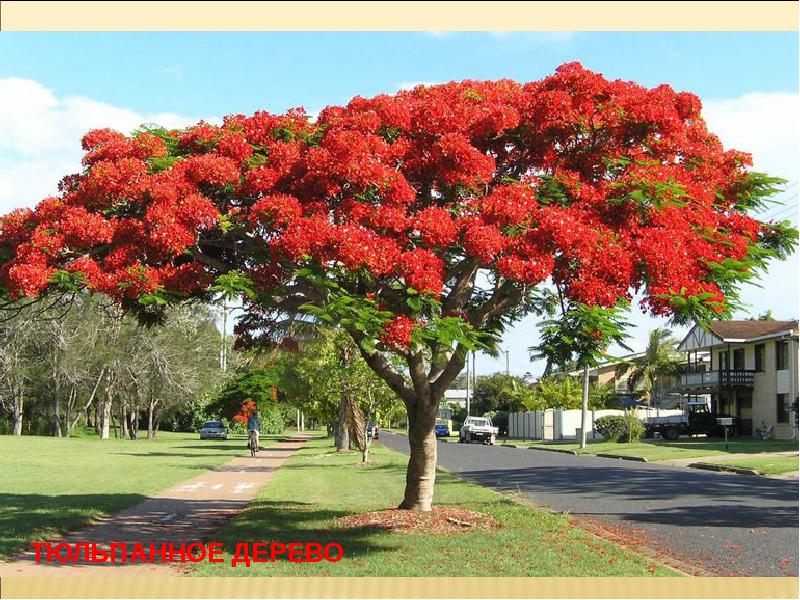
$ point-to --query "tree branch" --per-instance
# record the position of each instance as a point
(378, 362)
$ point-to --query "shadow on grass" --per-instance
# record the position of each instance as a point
(28, 516)
(180, 454)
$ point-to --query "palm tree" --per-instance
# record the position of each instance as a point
(660, 359)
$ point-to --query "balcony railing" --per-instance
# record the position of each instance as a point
(739, 378)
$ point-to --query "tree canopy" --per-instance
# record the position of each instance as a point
(422, 222)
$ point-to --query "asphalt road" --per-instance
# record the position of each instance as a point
(722, 523)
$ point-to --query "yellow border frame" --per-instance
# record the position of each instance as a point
(26, 15)
(399, 587)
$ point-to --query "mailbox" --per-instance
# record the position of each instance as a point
(725, 421)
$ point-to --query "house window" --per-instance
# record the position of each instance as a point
(738, 359)
(723, 361)
(760, 354)
(783, 409)
(781, 355)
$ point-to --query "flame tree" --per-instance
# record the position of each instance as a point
(422, 222)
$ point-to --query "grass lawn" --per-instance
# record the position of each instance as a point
(49, 486)
(682, 448)
(315, 487)
(766, 465)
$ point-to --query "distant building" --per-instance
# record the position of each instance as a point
(455, 398)
(750, 371)
(609, 373)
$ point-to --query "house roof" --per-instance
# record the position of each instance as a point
(720, 332)
(604, 365)
(748, 330)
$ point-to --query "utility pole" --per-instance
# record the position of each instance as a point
(223, 352)
(474, 373)
(467, 385)
(508, 369)
(584, 404)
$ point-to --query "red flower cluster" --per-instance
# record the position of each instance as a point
(247, 410)
(604, 186)
(397, 332)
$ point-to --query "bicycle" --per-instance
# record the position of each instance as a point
(253, 443)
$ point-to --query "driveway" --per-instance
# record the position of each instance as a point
(722, 523)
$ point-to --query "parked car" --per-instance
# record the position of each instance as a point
(442, 430)
(477, 429)
(213, 430)
(374, 431)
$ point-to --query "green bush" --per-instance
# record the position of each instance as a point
(612, 427)
(273, 419)
(620, 428)
(634, 430)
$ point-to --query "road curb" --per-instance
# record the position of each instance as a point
(723, 468)
(561, 450)
(621, 457)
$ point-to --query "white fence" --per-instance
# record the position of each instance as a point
(558, 424)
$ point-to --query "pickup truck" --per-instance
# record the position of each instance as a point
(477, 429)
(688, 423)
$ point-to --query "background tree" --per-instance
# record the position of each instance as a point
(422, 223)
(61, 363)
(660, 359)
(500, 392)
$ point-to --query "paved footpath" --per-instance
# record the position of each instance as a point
(721, 523)
(188, 512)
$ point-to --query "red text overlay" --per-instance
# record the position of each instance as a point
(244, 553)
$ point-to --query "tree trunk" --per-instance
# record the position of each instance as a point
(342, 430)
(151, 423)
(135, 427)
(421, 472)
(57, 424)
(105, 417)
(133, 423)
(123, 420)
(86, 408)
(17, 413)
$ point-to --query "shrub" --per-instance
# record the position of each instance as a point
(619, 428)
(634, 430)
(500, 420)
(612, 427)
(273, 419)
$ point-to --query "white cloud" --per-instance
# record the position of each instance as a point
(40, 137)
(410, 85)
(767, 125)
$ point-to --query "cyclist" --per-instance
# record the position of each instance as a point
(253, 427)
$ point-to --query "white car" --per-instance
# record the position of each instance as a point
(477, 429)
(213, 430)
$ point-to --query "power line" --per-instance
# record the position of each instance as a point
(783, 207)
(789, 210)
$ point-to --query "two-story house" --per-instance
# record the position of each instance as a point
(750, 370)
(610, 372)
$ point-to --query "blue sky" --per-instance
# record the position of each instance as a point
(219, 73)
(53, 86)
